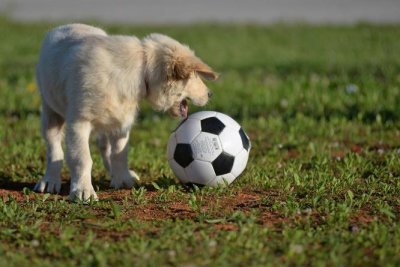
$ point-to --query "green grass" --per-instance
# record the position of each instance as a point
(322, 107)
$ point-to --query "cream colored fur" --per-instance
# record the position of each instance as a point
(92, 82)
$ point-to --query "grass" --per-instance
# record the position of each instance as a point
(321, 106)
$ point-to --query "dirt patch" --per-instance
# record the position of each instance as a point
(356, 149)
(152, 211)
(362, 217)
(272, 219)
(176, 207)
(246, 200)
(7, 194)
(115, 195)
(226, 227)
(16, 190)
(339, 155)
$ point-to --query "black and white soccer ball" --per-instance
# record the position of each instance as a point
(208, 148)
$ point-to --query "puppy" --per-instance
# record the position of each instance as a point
(93, 82)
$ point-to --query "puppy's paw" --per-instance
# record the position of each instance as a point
(82, 192)
(128, 180)
(49, 185)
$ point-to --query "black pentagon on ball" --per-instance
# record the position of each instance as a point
(245, 139)
(223, 163)
(212, 125)
(183, 155)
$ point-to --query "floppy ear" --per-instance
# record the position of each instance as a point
(205, 71)
(178, 69)
(181, 68)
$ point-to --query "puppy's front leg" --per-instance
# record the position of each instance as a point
(121, 176)
(52, 131)
(79, 160)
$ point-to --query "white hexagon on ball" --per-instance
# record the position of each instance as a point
(240, 162)
(228, 121)
(188, 131)
(200, 172)
(203, 114)
(222, 180)
(231, 140)
(178, 170)
(171, 146)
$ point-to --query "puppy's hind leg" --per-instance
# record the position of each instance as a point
(104, 146)
(121, 176)
(79, 160)
(52, 126)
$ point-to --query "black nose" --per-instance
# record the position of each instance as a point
(210, 94)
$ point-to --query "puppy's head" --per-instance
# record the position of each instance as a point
(174, 75)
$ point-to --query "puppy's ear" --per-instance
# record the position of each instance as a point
(178, 69)
(181, 68)
(205, 71)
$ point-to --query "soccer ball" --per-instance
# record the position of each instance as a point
(208, 148)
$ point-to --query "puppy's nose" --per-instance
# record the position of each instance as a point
(210, 94)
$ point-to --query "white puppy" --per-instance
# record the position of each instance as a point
(92, 82)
